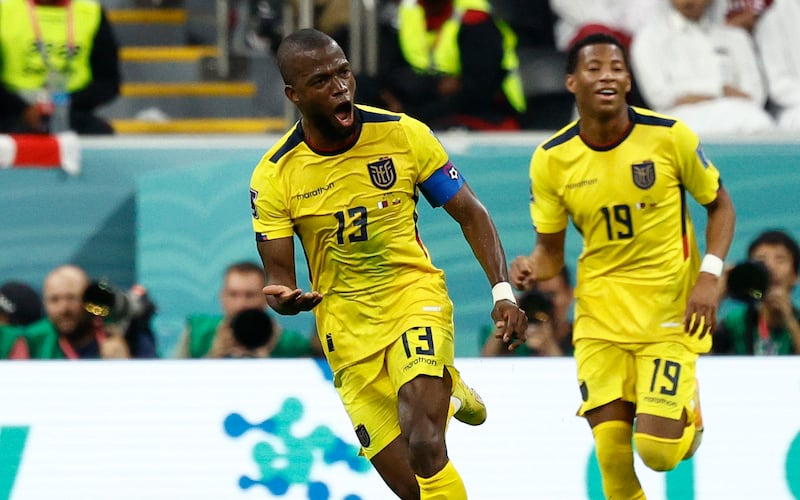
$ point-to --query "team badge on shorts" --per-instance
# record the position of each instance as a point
(644, 174)
(382, 173)
(584, 391)
(363, 435)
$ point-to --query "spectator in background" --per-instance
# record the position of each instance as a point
(741, 13)
(52, 47)
(70, 331)
(777, 35)
(767, 323)
(451, 64)
(547, 305)
(213, 335)
(703, 72)
(330, 16)
(20, 305)
(619, 18)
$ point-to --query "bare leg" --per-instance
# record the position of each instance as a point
(393, 466)
(423, 405)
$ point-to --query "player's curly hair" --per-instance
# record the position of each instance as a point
(593, 39)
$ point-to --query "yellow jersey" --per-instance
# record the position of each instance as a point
(354, 212)
(628, 200)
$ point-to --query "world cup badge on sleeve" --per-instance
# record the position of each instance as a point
(382, 173)
(644, 174)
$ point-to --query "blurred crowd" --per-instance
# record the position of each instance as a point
(723, 66)
(75, 317)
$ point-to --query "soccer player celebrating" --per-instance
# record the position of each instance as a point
(346, 180)
(643, 311)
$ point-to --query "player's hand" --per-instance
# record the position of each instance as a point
(290, 301)
(511, 323)
(522, 272)
(701, 309)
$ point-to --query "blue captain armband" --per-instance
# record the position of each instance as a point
(442, 185)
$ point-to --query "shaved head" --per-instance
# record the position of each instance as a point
(300, 41)
(67, 276)
(63, 300)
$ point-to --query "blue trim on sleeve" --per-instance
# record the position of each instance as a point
(442, 185)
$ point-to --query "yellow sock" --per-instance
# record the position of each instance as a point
(444, 485)
(615, 458)
(663, 454)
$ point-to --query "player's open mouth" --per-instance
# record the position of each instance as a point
(344, 114)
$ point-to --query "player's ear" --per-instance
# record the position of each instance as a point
(290, 93)
(570, 82)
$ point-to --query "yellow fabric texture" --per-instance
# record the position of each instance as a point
(384, 281)
(444, 485)
(662, 454)
(615, 458)
(640, 257)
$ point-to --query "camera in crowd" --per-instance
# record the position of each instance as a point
(537, 306)
(748, 282)
(252, 328)
(125, 309)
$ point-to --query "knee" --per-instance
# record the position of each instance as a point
(659, 454)
(427, 446)
(427, 454)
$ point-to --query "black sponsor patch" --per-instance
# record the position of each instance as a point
(382, 173)
(363, 435)
(584, 391)
(644, 174)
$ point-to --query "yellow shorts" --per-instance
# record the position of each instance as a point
(369, 388)
(659, 378)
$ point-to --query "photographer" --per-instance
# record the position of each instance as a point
(213, 335)
(765, 321)
(70, 331)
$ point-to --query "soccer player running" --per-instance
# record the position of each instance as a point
(346, 180)
(643, 311)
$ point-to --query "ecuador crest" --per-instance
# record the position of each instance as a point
(382, 173)
(644, 174)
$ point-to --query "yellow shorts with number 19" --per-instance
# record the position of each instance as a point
(369, 388)
(659, 378)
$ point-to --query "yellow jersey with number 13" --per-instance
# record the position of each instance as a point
(355, 214)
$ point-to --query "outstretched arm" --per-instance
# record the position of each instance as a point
(282, 293)
(481, 234)
(701, 309)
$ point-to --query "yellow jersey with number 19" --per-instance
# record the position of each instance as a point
(354, 212)
(628, 201)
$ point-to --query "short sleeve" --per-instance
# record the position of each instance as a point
(269, 210)
(699, 176)
(548, 212)
(428, 152)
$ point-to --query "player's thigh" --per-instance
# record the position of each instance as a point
(370, 399)
(606, 375)
(665, 387)
(420, 364)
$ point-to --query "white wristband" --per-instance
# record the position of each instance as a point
(503, 291)
(712, 265)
